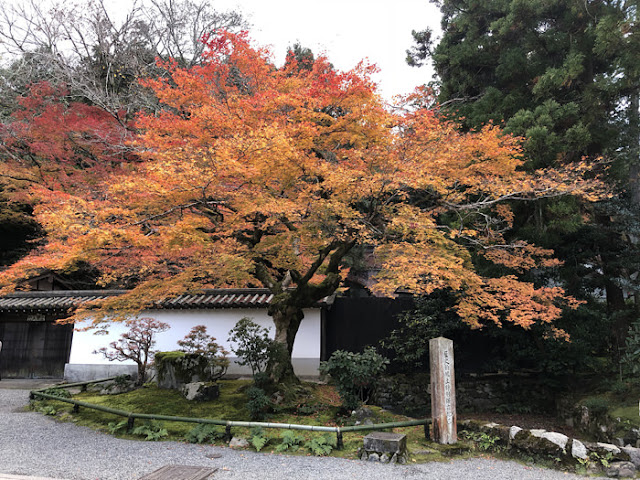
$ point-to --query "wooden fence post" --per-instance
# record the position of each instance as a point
(443, 391)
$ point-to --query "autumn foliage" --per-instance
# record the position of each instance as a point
(253, 175)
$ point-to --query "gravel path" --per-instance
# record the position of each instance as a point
(33, 444)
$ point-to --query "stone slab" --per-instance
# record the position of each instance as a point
(180, 472)
(6, 476)
(384, 442)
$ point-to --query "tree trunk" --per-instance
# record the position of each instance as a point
(634, 136)
(286, 318)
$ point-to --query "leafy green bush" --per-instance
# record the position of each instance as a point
(596, 405)
(321, 445)
(258, 403)
(251, 343)
(290, 441)
(258, 439)
(432, 317)
(354, 374)
(151, 431)
(483, 440)
(263, 381)
(204, 433)
(117, 427)
(57, 392)
(631, 359)
(48, 410)
(199, 342)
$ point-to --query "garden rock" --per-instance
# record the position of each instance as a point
(532, 441)
(384, 447)
(238, 442)
(556, 438)
(578, 450)
(634, 454)
(608, 447)
(363, 416)
(362, 413)
(116, 388)
(201, 391)
(501, 431)
(621, 470)
(513, 431)
(176, 369)
(607, 450)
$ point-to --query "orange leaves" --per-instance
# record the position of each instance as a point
(521, 256)
(253, 174)
(423, 267)
(509, 299)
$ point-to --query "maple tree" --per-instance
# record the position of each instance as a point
(252, 175)
(136, 344)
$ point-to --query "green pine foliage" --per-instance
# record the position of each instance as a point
(564, 75)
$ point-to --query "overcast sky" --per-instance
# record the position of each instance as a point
(346, 31)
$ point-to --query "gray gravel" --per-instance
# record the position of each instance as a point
(33, 444)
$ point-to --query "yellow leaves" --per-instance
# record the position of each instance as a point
(509, 299)
(521, 256)
(422, 267)
(504, 211)
(249, 165)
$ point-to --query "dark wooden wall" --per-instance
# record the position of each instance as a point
(33, 349)
(354, 323)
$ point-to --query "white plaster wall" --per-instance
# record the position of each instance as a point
(217, 321)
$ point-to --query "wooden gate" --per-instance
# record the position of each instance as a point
(354, 323)
(34, 349)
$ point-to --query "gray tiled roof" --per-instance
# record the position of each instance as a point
(66, 299)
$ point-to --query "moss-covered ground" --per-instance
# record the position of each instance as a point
(315, 404)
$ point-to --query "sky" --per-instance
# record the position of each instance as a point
(346, 31)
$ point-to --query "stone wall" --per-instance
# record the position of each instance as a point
(514, 393)
(593, 421)
(594, 457)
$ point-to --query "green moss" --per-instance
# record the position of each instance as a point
(184, 366)
(161, 357)
(231, 406)
(629, 414)
(597, 404)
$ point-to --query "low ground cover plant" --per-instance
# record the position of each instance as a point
(232, 405)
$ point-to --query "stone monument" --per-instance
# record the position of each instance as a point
(443, 391)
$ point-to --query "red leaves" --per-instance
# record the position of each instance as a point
(257, 175)
(59, 144)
